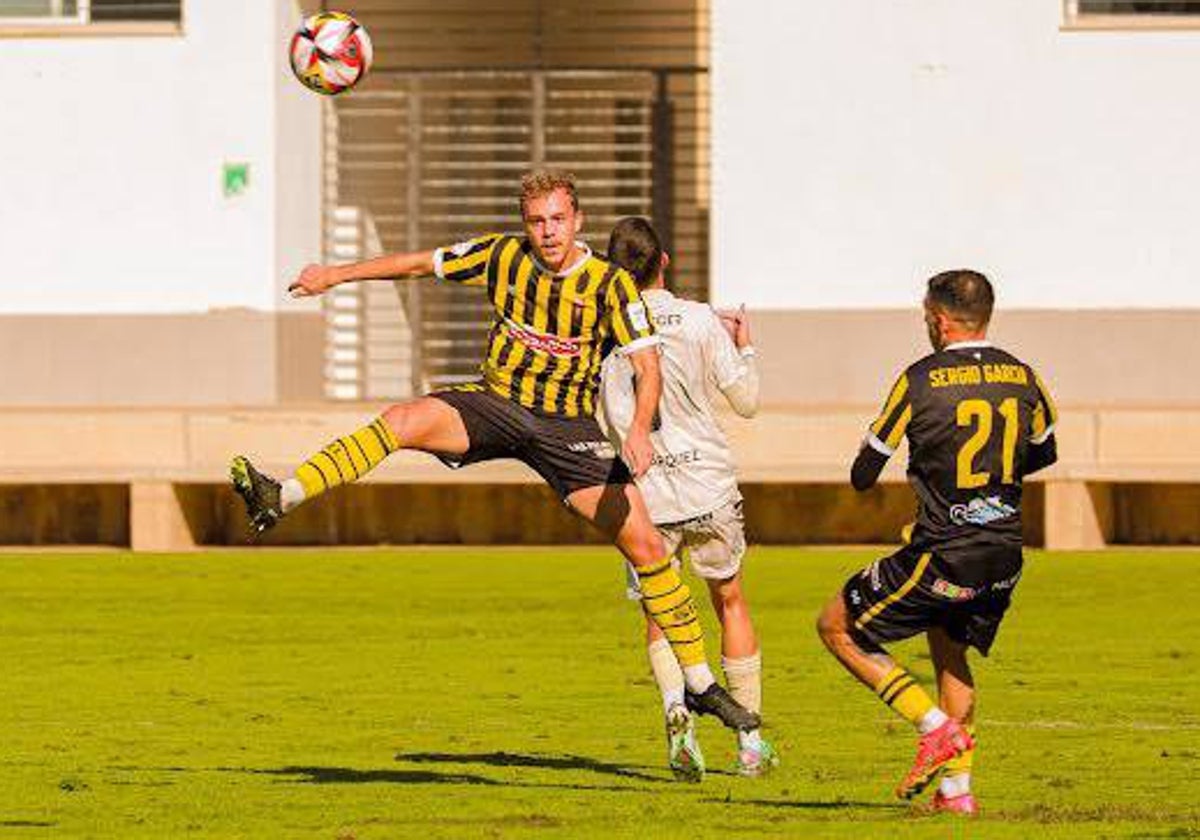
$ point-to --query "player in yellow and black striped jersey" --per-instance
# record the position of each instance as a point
(977, 420)
(551, 328)
(558, 309)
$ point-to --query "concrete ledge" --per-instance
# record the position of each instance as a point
(164, 474)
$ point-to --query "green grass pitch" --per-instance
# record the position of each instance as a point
(504, 693)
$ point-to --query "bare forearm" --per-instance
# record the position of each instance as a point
(648, 388)
(387, 267)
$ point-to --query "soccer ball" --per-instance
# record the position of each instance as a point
(330, 52)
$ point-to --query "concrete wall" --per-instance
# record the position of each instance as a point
(129, 275)
(860, 146)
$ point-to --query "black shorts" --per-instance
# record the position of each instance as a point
(570, 453)
(965, 591)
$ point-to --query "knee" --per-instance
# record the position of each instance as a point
(399, 420)
(727, 596)
(644, 546)
(831, 626)
(409, 421)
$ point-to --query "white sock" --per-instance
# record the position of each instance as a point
(291, 494)
(934, 718)
(667, 673)
(750, 740)
(743, 675)
(698, 677)
(955, 785)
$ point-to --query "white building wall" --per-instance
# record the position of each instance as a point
(111, 155)
(860, 146)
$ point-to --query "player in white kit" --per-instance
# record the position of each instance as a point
(691, 487)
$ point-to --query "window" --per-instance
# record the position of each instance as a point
(1132, 14)
(69, 13)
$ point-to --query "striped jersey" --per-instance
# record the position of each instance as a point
(550, 331)
(970, 413)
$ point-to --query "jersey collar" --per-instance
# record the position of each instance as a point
(968, 345)
(569, 270)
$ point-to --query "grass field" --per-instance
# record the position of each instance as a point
(503, 693)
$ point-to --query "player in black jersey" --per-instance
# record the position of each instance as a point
(977, 421)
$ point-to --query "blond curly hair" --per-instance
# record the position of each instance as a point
(542, 182)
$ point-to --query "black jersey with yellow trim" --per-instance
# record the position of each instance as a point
(970, 414)
(551, 330)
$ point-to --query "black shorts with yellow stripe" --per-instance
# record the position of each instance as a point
(965, 591)
(570, 453)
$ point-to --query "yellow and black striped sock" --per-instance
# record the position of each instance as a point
(961, 763)
(668, 603)
(347, 459)
(900, 691)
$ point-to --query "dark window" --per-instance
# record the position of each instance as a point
(136, 10)
(1139, 7)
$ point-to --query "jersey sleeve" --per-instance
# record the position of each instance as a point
(629, 320)
(465, 262)
(618, 397)
(888, 430)
(1045, 414)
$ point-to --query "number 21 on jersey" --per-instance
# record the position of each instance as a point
(979, 415)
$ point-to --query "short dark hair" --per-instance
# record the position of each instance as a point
(964, 295)
(635, 247)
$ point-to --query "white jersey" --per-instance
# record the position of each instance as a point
(693, 469)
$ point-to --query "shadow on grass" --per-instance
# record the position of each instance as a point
(801, 805)
(326, 775)
(544, 762)
(350, 776)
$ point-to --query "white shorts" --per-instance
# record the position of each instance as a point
(715, 544)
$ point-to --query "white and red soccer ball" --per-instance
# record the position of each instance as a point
(330, 52)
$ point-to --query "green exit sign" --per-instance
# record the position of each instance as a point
(235, 178)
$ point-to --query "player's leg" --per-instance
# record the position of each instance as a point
(619, 512)
(956, 695)
(684, 756)
(427, 424)
(886, 602)
(716, 545)
(741, 660)
(683, 749)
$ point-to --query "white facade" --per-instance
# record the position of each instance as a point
(111, 159)
(860, 146)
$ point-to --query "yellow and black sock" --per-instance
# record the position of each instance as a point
(900, 691)
(961, 763)
(347, 459)
(668, 603)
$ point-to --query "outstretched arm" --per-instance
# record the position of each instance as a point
(638, 451)
(318, 279)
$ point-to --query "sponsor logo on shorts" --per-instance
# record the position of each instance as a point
(564, 348)
(855, 598)
(952, 591)
(600, 448)
(873, 573)
(1007, 583)
(981, 511)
